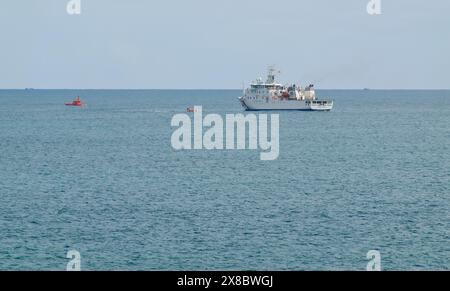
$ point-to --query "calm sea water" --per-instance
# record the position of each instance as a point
(104, 180)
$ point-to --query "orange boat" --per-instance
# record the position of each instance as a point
(76, 102)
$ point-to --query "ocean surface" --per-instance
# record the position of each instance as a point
(373, 174)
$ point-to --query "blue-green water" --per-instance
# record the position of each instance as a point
(104, 180)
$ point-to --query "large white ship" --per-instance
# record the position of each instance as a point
(270, 95)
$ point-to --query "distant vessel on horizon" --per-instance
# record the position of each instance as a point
(270, 95)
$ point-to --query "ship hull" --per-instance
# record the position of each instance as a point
(295, 105)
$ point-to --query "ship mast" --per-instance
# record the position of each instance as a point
(272, 71)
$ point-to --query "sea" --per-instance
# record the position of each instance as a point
(104, 180)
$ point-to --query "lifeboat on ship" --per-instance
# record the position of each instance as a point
(76, 102)
(285, 95)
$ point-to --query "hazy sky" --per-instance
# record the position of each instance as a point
(222, 43)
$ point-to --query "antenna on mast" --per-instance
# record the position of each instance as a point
(271, 74)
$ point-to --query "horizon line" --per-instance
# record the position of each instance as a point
(217, 89)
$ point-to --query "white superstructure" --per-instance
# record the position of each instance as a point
(270, 95)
